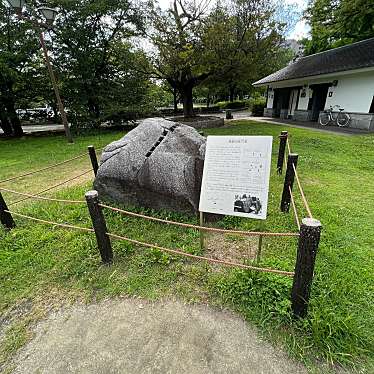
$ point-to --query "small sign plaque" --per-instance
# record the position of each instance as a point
(236, 176)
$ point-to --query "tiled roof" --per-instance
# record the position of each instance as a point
(353, 56)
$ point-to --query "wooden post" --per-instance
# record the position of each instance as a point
(5, 218)
(259, 249)
(99, 225)
(310, 233)
(288, 182)
(282, 150)
(92, 153)
(202, 245)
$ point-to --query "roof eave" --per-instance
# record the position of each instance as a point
(312, 77)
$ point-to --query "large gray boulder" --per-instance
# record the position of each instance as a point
(157, 165)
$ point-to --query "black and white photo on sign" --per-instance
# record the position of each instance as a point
(236, 176)
(247, 203)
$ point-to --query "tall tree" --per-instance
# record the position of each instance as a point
(93, 52)
(18, 48)
(336, 23)
(180, 48)
(249, 39)
(229, 44)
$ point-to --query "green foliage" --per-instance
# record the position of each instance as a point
(92, 52)
(249, 39)
(266, 293)
(225, 48)
(237, 104)
(337, 23)
(339, 329)
(96, 60)
(258, 108)
(19, 63)
(255, 104)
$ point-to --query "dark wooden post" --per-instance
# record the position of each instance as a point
(310, 232)
(99, 225)
(92, 153)
(282, 150)
(288, 182)
(259, 249)
(5, 218)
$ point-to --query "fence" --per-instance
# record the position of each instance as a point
(308, 230)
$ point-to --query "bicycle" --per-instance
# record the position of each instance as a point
(327, 117)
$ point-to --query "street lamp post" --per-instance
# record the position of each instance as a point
(49, 14)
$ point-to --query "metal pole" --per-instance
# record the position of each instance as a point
(55, 87)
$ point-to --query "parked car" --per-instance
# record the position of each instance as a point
(35, 113)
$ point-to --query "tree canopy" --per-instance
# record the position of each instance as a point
(227, 46)
(335, 23)
(105, 71)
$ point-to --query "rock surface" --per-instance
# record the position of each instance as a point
(156, 165)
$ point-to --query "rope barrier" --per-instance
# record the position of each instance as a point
(173, 251)
(288, 146)
(302, 193)
(42, 197)
(294, 208)
(204, 228)
(52, 187)
(43, 169)
(305, 202)
(48, 167)
(227, 263)
(64, 225)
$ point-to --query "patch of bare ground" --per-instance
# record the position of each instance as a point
(229, 247)
(17, 323)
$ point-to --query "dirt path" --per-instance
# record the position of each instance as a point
(133, 336)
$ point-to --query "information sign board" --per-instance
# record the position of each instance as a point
(236, 176)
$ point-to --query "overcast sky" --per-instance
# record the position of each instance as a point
(300, 31)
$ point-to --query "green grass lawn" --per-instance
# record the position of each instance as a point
(41, 265)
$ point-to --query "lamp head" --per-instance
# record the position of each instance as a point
(17, 5)
(49, 14)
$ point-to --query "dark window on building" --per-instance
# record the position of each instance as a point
(371, 110)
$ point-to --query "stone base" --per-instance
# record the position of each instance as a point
(364, 121)
(302, 115)
(269, 112)
(200, 122)
(283, 114)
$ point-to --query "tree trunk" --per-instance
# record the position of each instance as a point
(207, 100)
(4, 122)
(175, 100)
(12, 115)
(14, 120)
(232, 93)
(188, 101)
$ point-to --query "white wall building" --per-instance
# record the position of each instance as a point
(342, 77)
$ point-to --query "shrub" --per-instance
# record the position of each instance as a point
(238, 104)
(258, 109)
(257, 105)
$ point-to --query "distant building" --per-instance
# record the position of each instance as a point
(342, 76)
